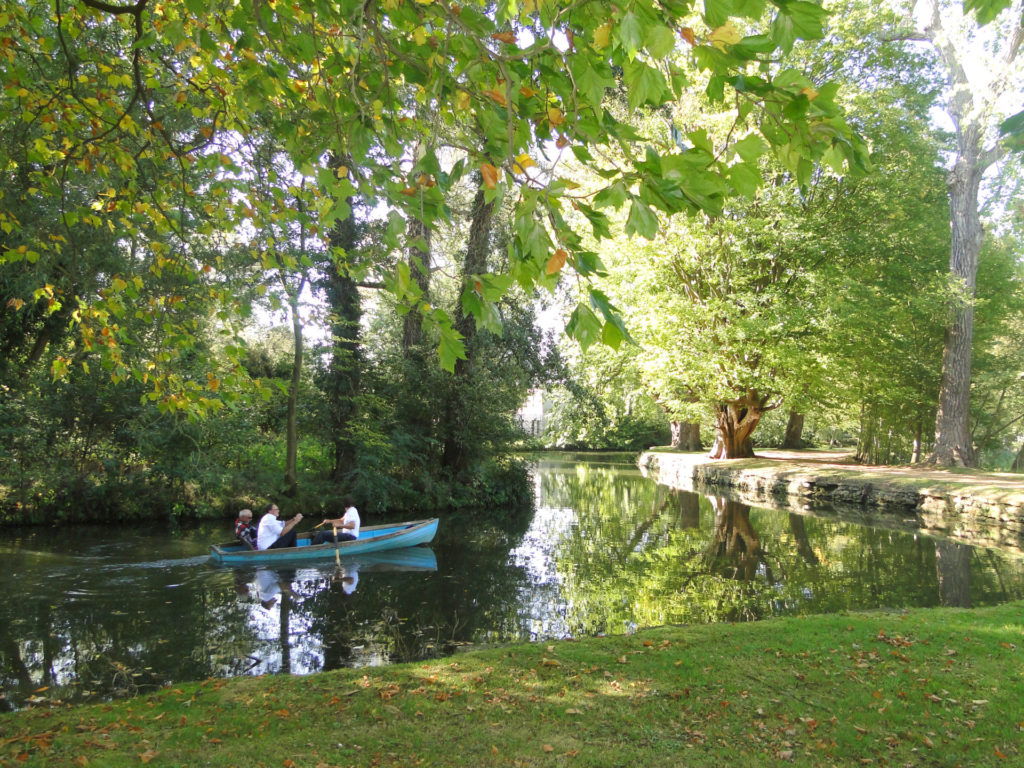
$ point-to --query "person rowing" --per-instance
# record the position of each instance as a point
(344, 528)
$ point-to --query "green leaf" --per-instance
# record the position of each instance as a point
(1013, 124)
(660, 41)
(584, 326)
(611, 197)
(641, 220)
(450, 348)
(630, 34)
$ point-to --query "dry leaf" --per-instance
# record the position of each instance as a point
(573, 711)
(548, 748)
(490, 174)
(556, 262)
(148, 755)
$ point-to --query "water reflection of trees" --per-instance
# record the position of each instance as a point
(642, 555)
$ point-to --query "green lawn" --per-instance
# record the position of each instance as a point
(929, 687)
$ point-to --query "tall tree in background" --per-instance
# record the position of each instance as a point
(983, 67)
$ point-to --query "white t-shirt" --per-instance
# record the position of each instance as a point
(351, 516)
(269, 531)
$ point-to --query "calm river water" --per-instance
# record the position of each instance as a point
(98, 613)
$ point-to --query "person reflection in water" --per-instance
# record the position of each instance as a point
(269, 587)
(348, 577)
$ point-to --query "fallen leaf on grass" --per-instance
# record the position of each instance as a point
(548, 748)
(573, 711)
(148, 755)
(550, 662)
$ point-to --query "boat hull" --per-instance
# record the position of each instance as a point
(376, 538)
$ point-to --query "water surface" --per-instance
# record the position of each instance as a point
(95, 613)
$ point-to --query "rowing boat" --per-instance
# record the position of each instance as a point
(373, 538)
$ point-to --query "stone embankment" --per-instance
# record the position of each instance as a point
(980, 508)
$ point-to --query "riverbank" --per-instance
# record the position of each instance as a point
(921, 687)
(981, 508)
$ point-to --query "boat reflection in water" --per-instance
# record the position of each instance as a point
(309, 619)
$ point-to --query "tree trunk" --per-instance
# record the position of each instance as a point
(457, 440)
(1018, 460)
(686, 435)
(952, 422)
(419, 268)
(734, 423)
(794, 431)
(915, 456)
(343, 379)
(291, 473)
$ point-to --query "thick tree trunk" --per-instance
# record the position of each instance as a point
(734, 423)
(952, 422)
(457, 443)
(794, 431)
(686, 435)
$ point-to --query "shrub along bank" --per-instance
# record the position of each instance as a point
(925, 687)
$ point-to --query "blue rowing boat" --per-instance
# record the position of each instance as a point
(372, 538)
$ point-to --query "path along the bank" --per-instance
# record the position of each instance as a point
(983, 508)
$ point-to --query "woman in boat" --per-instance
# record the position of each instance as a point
(274, 533)
(344, 528)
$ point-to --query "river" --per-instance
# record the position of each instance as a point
(95, 613)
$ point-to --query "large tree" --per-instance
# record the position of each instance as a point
(983, 68)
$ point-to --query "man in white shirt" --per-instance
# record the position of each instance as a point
(274, 533)
(346, 527)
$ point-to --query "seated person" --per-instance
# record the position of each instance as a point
(245, 531)
(344, 528)
(274, 533)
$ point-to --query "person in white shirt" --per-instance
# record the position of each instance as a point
(345, 527)
(274, 533)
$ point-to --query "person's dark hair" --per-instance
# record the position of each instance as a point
(347, 502)
(269, 507)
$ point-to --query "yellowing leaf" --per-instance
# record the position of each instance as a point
(603, 35)
(505, 37)
(528, 92)
(419, 35)
(727, 34)
(556, 262)
(490, 174)
(462, 100)
(523, 162)
(687, 34)
(810, 93)
(497, 95)
(555, 116)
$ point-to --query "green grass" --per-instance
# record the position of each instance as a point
(928, 687)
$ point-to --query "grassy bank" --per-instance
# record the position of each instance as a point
(928, 687)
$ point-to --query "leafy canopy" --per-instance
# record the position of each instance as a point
(126, 114)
